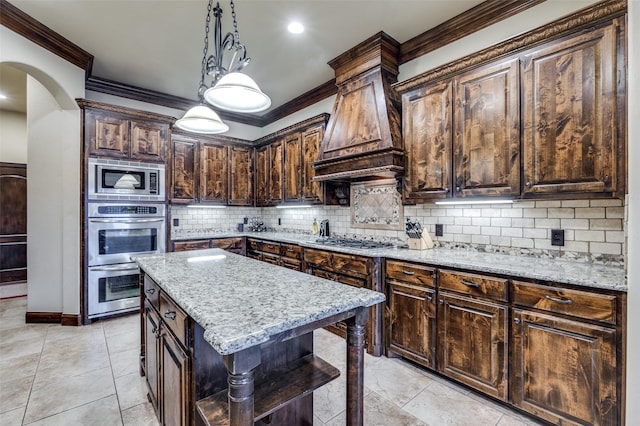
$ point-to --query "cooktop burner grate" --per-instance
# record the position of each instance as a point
(353, 243)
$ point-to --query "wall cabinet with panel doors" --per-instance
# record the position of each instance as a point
(566, 364)
(124, 133)
(573, 139)
(209, 172)
(545, 122)
(269, 182)
(284, 164)
(462, 135)
(411, 313)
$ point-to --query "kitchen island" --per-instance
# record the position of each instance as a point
(228, 339)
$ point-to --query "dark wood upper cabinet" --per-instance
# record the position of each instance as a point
(427, 120)
(214, 173)
(125, 136)
(184, 176)
(293, 167)
(262, 175)
(311, 140)
(571, 143)
(276, 157)
(241, 176)
(486, 143)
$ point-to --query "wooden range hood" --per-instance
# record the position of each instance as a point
(363, 138)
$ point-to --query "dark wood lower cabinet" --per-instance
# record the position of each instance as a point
(151, 355)
(175, 381)
(472, 343)
(564, 371)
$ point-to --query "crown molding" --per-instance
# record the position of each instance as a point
(34, 31)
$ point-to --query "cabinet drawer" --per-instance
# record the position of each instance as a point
(291, 251)
(317, 258)
(410, 272)
(269, 258)
(477, 285)
(151, 292)
(338, 262)
(255, 245)
(175, 318)
(290, 263)
(191, 245)
(227, 243)
(254, 254)
(344, 279)
(578, 303)
(270, 247)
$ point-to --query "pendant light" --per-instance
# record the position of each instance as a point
(230, 89)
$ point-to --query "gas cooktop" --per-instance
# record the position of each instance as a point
(353, 243)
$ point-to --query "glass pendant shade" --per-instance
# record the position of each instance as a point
(201, 119)
(237, 92)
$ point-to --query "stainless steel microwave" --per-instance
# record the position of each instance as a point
(117, 180)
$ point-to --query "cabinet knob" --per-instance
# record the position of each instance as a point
(446, 190)
(516, 320)
(150, 290)
(170, 315)
(429, 298)
(457, 189)
(441, 301)
(528, 184)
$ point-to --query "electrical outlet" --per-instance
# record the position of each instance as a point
(176, 222)
(279, 221)
(557, 237)
(439, 230)
(245, 220)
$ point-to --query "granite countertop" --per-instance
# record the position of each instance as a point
(242, 302)
(528, 267)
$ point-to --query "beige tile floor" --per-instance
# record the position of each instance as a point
(63, 376)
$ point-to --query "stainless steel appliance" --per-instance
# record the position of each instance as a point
(353, 243)
(115, 233)
(324, 228)
(113, 180)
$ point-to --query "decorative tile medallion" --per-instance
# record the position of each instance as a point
(376, 205)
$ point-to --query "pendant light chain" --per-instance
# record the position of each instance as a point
(236, 33)
(202, 87)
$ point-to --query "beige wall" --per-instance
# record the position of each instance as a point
(13, 137)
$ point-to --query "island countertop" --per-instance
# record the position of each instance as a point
(241, 302)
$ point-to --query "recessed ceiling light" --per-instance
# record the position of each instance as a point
(295, 28)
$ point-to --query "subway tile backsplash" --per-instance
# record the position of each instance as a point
(594, 229)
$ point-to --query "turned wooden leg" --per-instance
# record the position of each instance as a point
(241, 376)
(355, 367)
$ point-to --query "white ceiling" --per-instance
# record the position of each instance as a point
(157, 44)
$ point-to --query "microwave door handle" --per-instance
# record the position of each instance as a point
(126, 220)
(115, 268)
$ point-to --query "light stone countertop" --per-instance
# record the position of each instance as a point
(242, 302)
(527, 267)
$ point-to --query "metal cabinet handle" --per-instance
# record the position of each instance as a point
(470, 284)
(150, 290)
(170, 315)
(528, 184)
(457, 189)
(516, 320)
(408, 272)
(429, 298)
(558, 300)
(441, 301)
(446, 190)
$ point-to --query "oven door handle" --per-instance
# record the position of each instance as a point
(114, 268)
(126, 220)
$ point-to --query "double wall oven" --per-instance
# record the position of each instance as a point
(126, 216)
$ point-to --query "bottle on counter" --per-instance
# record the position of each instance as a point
(314, 227)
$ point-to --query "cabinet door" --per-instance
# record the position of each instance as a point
(412, 322)
(472, 343)
(213, 174)
(311, 140)
(569, 111)
(275, 172)
(241, 177)
(564, 371)
(292, 167)
(151, 356)
(183, 174)
(262, 175)
(487, 137)
(175, 382)
(108, 135)
(149, 141)
(427, 136)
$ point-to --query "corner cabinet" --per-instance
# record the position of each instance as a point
(125, 134)
(571, 140)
